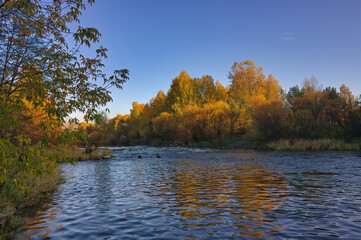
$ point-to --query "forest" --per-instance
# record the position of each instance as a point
(253, 107)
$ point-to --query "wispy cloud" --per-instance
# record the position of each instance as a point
(288, 36)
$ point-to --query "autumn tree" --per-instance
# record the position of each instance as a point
(121, 125)
(201, 111)
(221, 92)
(273, 89)
(39, 67)
(192, 124)
(183, 92)
(250, 89)
(206, 89)
(247, 82)
(217, 121)
(158, 104)
(165, 127)
(139, 123)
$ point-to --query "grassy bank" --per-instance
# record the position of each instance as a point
(73, 154)
(313, 145)
(324, 144)
(216, 143)
(36, 187)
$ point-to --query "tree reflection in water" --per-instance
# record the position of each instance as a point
(244, 196)
(195, 196)
(42, 222)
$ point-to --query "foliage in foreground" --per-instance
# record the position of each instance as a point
(42, 81)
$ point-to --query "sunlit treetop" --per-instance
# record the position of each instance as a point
(37, 62)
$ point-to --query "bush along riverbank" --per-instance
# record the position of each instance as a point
(31, 188)
(248, 142)
(73, 153)
(324, 144)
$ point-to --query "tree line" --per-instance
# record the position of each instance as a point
(199, 110)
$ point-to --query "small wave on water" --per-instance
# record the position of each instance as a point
(196, 193)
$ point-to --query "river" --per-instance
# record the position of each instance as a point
(191, 193)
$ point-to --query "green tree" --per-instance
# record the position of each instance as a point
(39, 67)
(38, 64)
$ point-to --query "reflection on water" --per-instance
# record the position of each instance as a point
(202, 194)
(42, 223)
(241, 196)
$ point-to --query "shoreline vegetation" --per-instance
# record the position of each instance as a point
(324, 144)
(45, 79)
(253, 107)
(39, 187)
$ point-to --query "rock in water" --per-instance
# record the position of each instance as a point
(158, 156)
(139, 156)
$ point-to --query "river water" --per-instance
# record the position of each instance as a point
(205, 194)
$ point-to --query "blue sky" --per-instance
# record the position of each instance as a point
(291, 39)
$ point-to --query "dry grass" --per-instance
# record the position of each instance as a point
(313, 145)
(37, 186)
(35, 189)
(73, 154)
(107, 152)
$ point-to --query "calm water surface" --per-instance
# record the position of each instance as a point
(205, 194)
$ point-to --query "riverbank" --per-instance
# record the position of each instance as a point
(38, 187)
(13, 201)
(312, 145)
(324, 144)
(73, 153)
(215, 143)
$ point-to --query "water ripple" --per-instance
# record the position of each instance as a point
(205, 194)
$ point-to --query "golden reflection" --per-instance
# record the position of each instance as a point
(47, 234)
(39, 224)
(241, 194)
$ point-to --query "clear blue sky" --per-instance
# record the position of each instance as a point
(291, 39)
